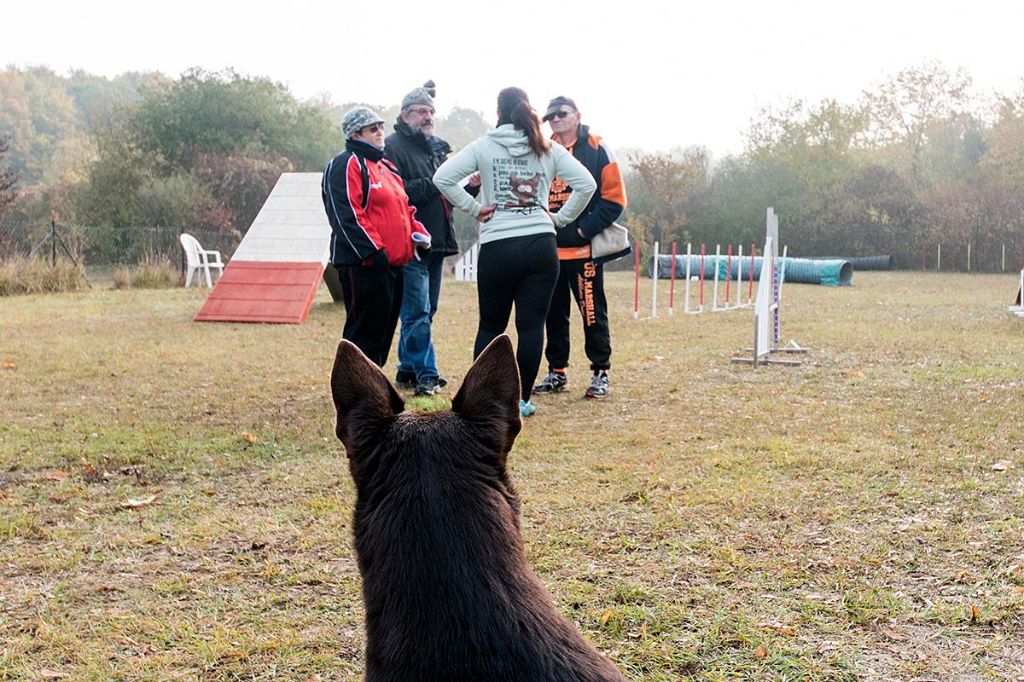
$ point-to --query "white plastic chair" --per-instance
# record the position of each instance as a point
(197, 257)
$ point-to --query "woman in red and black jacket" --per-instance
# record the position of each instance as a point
(374, 233)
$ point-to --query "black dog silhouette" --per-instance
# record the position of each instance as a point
(447, 589)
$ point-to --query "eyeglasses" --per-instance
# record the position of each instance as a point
(562, 113)
(375, 128)
(421, 111)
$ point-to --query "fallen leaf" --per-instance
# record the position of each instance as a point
(90, 473)
(761, 652)
(10, 365)
(1017, 589)
(135, 504)
(50, 674)
(249, 438)
(1002, 465)
(605, 617)
(975, 614)
(857, 374)
(56, 475)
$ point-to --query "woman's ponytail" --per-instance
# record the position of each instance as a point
(514, 107)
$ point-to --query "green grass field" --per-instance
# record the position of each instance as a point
(174, 505)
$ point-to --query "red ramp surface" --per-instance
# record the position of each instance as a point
(253, 291)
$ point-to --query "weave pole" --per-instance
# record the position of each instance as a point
(654, 284)
(686, 301)
(701, 278)
(672, 283)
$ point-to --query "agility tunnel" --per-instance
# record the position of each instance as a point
(864, 262)
(828, 272)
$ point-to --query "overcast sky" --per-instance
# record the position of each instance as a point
(645, 74)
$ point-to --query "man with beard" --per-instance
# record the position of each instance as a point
(417, 153)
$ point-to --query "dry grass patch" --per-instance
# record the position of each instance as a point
(855, 518)
(155, 275)
(35, 275)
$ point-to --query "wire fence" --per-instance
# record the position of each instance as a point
(98, 246)
(107, 246)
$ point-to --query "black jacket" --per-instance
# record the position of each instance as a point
(417, 157)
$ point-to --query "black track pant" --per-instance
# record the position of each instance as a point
(519, 270)
(585, 279)
(373, 297)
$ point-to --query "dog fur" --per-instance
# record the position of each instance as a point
(448, 592)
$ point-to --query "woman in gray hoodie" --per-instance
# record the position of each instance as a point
(518, 261)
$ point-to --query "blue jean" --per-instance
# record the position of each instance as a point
(422, 288)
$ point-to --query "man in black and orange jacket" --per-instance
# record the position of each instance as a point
(579, 272)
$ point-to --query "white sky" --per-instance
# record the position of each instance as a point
(645, 74)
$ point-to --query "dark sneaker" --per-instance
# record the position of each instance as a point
(428, 386)
(442, 382)
(554, 382)
(599, 387)
(405, 379)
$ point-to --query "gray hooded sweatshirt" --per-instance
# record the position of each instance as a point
(517, 182)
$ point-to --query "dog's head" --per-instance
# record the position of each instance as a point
(384, 443)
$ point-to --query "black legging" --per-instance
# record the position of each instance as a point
(520, 270)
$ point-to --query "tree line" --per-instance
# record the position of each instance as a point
(918, 160)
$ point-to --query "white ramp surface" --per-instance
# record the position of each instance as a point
(292, 225)
(274, 274)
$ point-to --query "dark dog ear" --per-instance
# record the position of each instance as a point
(363, 396)
(489, 395)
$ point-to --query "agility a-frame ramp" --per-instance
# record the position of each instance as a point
(276, 270)
(1018, 305)
(768, 304)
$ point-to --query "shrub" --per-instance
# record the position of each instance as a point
(147, 276)
(35, 276)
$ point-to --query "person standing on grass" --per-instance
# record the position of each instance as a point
(518, 261)
(417, 153)
(374, 233)
(578, 271)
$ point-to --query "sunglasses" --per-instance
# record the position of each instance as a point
(375, 128)
(562, 114)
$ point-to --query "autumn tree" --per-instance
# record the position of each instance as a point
(8, 177)
(660, 190)
(904, 109)
(222, 113)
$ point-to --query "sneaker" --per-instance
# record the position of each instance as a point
(554, 382)
(527, 408)
(599, 387)
(428, 386)
(405, 379)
